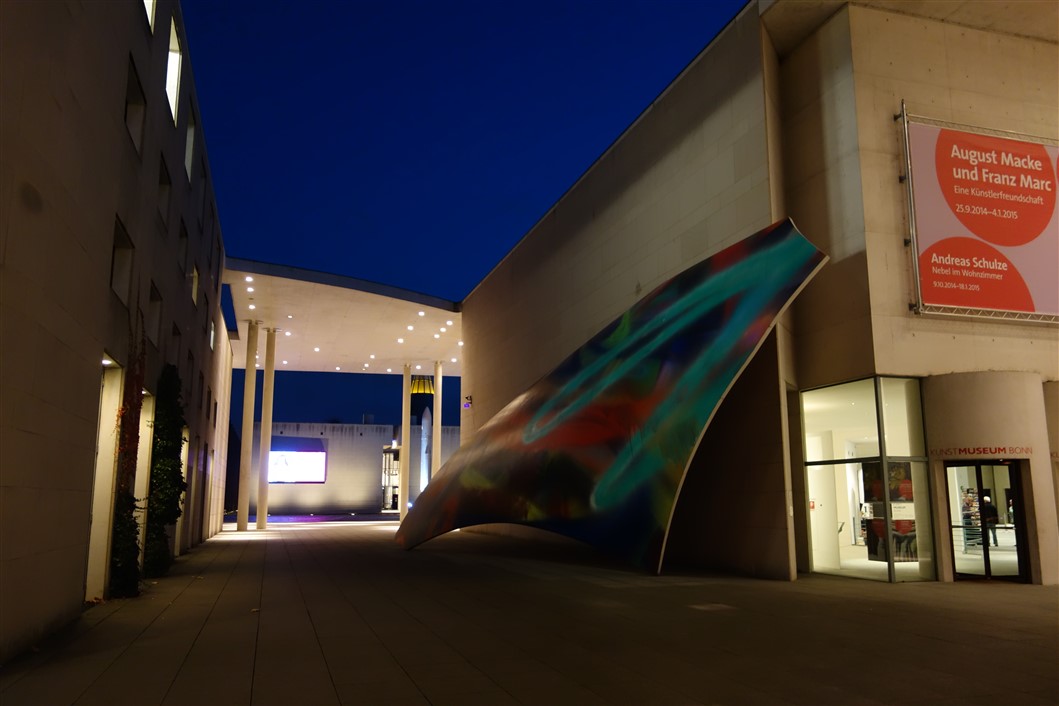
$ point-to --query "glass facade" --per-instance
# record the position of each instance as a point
(866, 471)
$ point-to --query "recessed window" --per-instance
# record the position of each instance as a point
(189, 145)
(121, 258)
(195, 285)
(165, 188)
(172, 72)
(154, 314)
(135, 107)
(183, 247)
(149, 6)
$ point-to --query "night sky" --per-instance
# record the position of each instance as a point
(414, 143)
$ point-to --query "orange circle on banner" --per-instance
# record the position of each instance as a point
(966, 272)
(1002, 190)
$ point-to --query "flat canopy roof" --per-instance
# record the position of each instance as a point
(358, 326)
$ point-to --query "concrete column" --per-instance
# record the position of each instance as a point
(246, 448)
(266, 428)
(406, 441)
(435, 442)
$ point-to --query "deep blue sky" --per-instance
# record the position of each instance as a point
(414, 143)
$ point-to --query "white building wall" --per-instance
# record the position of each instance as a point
(952, 73)
(70, 170)
(354, 468)
(689, 178)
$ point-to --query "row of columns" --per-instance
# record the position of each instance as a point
(246, 449)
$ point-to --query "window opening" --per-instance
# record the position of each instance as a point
(172, 73)
(121, 260)
(165, 188)
(149, 7)
(154, 315)
(189, 145)
(135, 107)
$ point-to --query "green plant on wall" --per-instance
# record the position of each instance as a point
(124, 577)
(164, 500)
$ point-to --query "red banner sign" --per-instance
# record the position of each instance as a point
(987, 229)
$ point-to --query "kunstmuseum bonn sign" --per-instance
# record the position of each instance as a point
(986, 226)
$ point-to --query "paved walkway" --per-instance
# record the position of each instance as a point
(337, 613)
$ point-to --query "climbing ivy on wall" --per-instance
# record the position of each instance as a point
(164, 499)
(124, 578)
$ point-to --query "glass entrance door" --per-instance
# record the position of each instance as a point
(984, 518)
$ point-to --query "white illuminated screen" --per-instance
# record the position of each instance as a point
(297, 466)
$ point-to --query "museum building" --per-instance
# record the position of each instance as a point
(898, 421)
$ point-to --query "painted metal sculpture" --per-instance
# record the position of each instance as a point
(597, 450)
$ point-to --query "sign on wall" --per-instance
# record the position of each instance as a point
(986, 226)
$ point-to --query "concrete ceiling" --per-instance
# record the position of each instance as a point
(349, 320)
(790, 21)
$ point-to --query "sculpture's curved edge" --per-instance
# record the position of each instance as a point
(706, 426)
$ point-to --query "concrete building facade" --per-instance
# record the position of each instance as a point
(110, 236)
(794, 110)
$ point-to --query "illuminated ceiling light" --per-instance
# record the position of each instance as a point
(317, 349)
(448, 323)
(453, 360)
(365, 365)
(249, 289)
(443, 329)
(419, 367)
(108, 361)
(286, 333)
(411, 328)
(257, 355)
(290, 316)
(400, 340)
(249, 278)
(337, 367)
(461, 343)
(372, 356)
(389, 370)
(253, 306)
(284, 362)
(422, 313)
(437, 335)
(257, 365)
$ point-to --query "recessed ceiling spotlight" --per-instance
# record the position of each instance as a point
(249, 278)
(453, 360)
(461, 343)
(443, 329)
(249, 289)
(284, 362)
(422, 313)
(108, 361)
(257, 355)
(400, 340)
(365, 365)
(448, 323)
(338, 367)
(317, 349)
(389, 370)
(419, 367)
(372, 356)
(411, 328)
(437, 335)
(290, 316)
(253, 306)
(257, 365)
(286, 333)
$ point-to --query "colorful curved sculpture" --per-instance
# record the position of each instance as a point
(597, 450)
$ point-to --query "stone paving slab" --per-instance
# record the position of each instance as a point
(336, 613)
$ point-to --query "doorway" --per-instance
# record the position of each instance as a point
(985, 520)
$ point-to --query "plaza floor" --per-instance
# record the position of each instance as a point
(336, 613)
